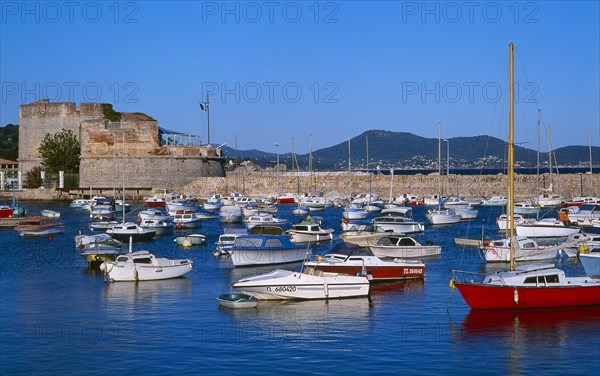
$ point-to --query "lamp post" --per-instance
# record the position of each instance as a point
(447, 167)
(277, 168)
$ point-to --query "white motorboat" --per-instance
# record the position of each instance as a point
(402, 246)
(262, 219)
(237, 301)
(546, 228)
(186, 219)
(354, 212)
(495, 201)
(144, 266)
(398, 220)
(502, 221)
(526, 208)
(309, 231)
(227, 239)
(50, 213)
(433, 200)
(300, 210)
(525, 250)
(231, 214)
(312, 284)
(162, 227)
(442, 216)
(129, 230)
(253, 249)
(581, 215)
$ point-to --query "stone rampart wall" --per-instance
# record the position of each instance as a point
(265, 184)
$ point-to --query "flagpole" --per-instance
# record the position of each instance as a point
(208, 115)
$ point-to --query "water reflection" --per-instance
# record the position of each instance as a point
(147, 292)
(527, 336)
(315, 320)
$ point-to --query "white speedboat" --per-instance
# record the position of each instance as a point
(442, 216)
(354, 212)
(370, 235)
(402, 246)
(252, 249)
(546, 228)
(80, 203)
(313, 284)
(398, 220)
(309, 231)
(162, 227)
(131, 231)
(467, 212)
(153, 213)
(144, 266)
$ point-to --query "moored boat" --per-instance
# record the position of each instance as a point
(355, 260)
(313, 284)
(144, 266)
(237, 300)
(251, 250)
(39, 226)
(129, 230)
(402, 246)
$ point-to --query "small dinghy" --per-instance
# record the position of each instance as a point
(237, 300)
(189, 240)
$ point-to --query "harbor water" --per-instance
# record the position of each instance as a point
(58, 317)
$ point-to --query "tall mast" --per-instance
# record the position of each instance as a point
(550, 155)
(349, 172)
(537, 171)
(310, 175)
(208, 118)
(511, 157)
(590, 142)
(370, 181)
(439, 164)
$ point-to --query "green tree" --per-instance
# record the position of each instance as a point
(60, 152)
(33, 177)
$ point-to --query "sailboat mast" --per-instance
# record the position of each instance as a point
(537, 173)
(511, 157)
(439, 164)
(370, 181)
(123, 159)
(550, 155)
(590, 142)
(349, 172)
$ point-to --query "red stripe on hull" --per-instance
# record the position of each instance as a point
(377, 272)
(287, 200)
(503, 297)
(155, 204)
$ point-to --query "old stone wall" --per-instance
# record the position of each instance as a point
(159, 172)
(103, 143)
(265, 184)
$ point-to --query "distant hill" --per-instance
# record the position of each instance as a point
(9, 142)
(408, 150)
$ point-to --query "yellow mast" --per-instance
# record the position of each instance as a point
(511, 157)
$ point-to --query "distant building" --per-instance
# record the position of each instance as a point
(9, 171)
(150, 159)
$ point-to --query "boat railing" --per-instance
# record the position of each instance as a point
(462, 276)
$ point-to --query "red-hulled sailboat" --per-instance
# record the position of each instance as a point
(528, 286)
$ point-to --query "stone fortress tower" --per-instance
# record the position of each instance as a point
(151, 158)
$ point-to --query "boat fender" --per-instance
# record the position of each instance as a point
(452, 285)
(516, 296)
(139, 218)
(583, 249)
(319, 258)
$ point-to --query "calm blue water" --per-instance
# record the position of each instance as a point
(57, 317)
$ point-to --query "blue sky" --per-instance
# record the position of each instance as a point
(281, 70)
